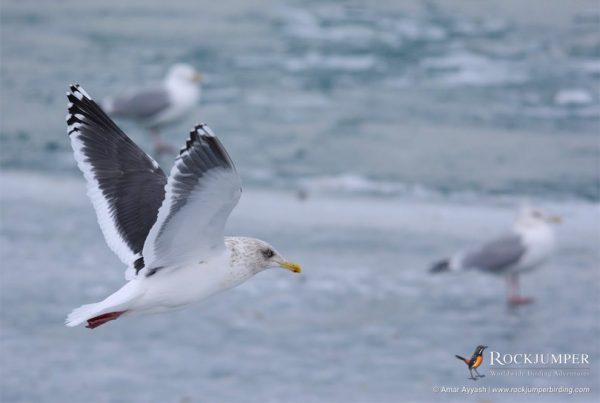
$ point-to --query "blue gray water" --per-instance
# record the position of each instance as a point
(413, 130)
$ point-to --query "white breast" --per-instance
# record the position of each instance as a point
(183, 97)
(539, 243)
(178, 287)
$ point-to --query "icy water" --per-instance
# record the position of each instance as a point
(412, 131)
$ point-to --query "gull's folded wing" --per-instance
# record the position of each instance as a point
(125, 184)
(142, 104)
(497, 255)
(202, 190)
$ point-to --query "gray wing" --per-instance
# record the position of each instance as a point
(140, 105)
(202, 190)
(495, 256)
(125, 184)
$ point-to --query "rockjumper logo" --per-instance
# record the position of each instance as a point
(539, 364)
(517, 359)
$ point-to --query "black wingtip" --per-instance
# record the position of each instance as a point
(200, 130)
(77, 92)
(202, 137)
(73, 88)
(440, 267)
(82, 109)
(189, 142)
(74, 95)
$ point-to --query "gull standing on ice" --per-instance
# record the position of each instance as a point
(160, 105)
(526, 247)
(168, 231)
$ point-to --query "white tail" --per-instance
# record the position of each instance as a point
(121, 300)
(83, 313)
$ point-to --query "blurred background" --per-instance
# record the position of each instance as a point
(410, 131)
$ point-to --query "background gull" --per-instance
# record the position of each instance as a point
(529, 243)
(160, 105)
(168, 231)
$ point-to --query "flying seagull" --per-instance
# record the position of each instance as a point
(526, 247)
(168, 231)
(160, 105)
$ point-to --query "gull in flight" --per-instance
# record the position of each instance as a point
(167, 230)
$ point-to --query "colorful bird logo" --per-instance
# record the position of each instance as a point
(474, 362)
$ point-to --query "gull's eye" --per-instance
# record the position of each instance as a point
(268, 253)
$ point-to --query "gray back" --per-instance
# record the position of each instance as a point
(141, 105)
(495, 256)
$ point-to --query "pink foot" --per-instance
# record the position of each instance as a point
(102, 319)
(517, 300)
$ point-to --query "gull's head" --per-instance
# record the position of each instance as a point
(268, 257)
(258, 255)
(529, 217)
(183, 73)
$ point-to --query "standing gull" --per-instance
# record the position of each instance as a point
(168, 231)
(526, 247)
(160, 105)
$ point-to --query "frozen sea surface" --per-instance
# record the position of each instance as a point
(347, 329)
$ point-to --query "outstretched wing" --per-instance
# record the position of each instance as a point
(125, 184)
(496, 256)
(202, 189)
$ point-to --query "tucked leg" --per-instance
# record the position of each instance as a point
(102, 319)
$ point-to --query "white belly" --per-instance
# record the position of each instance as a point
(177, 288)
